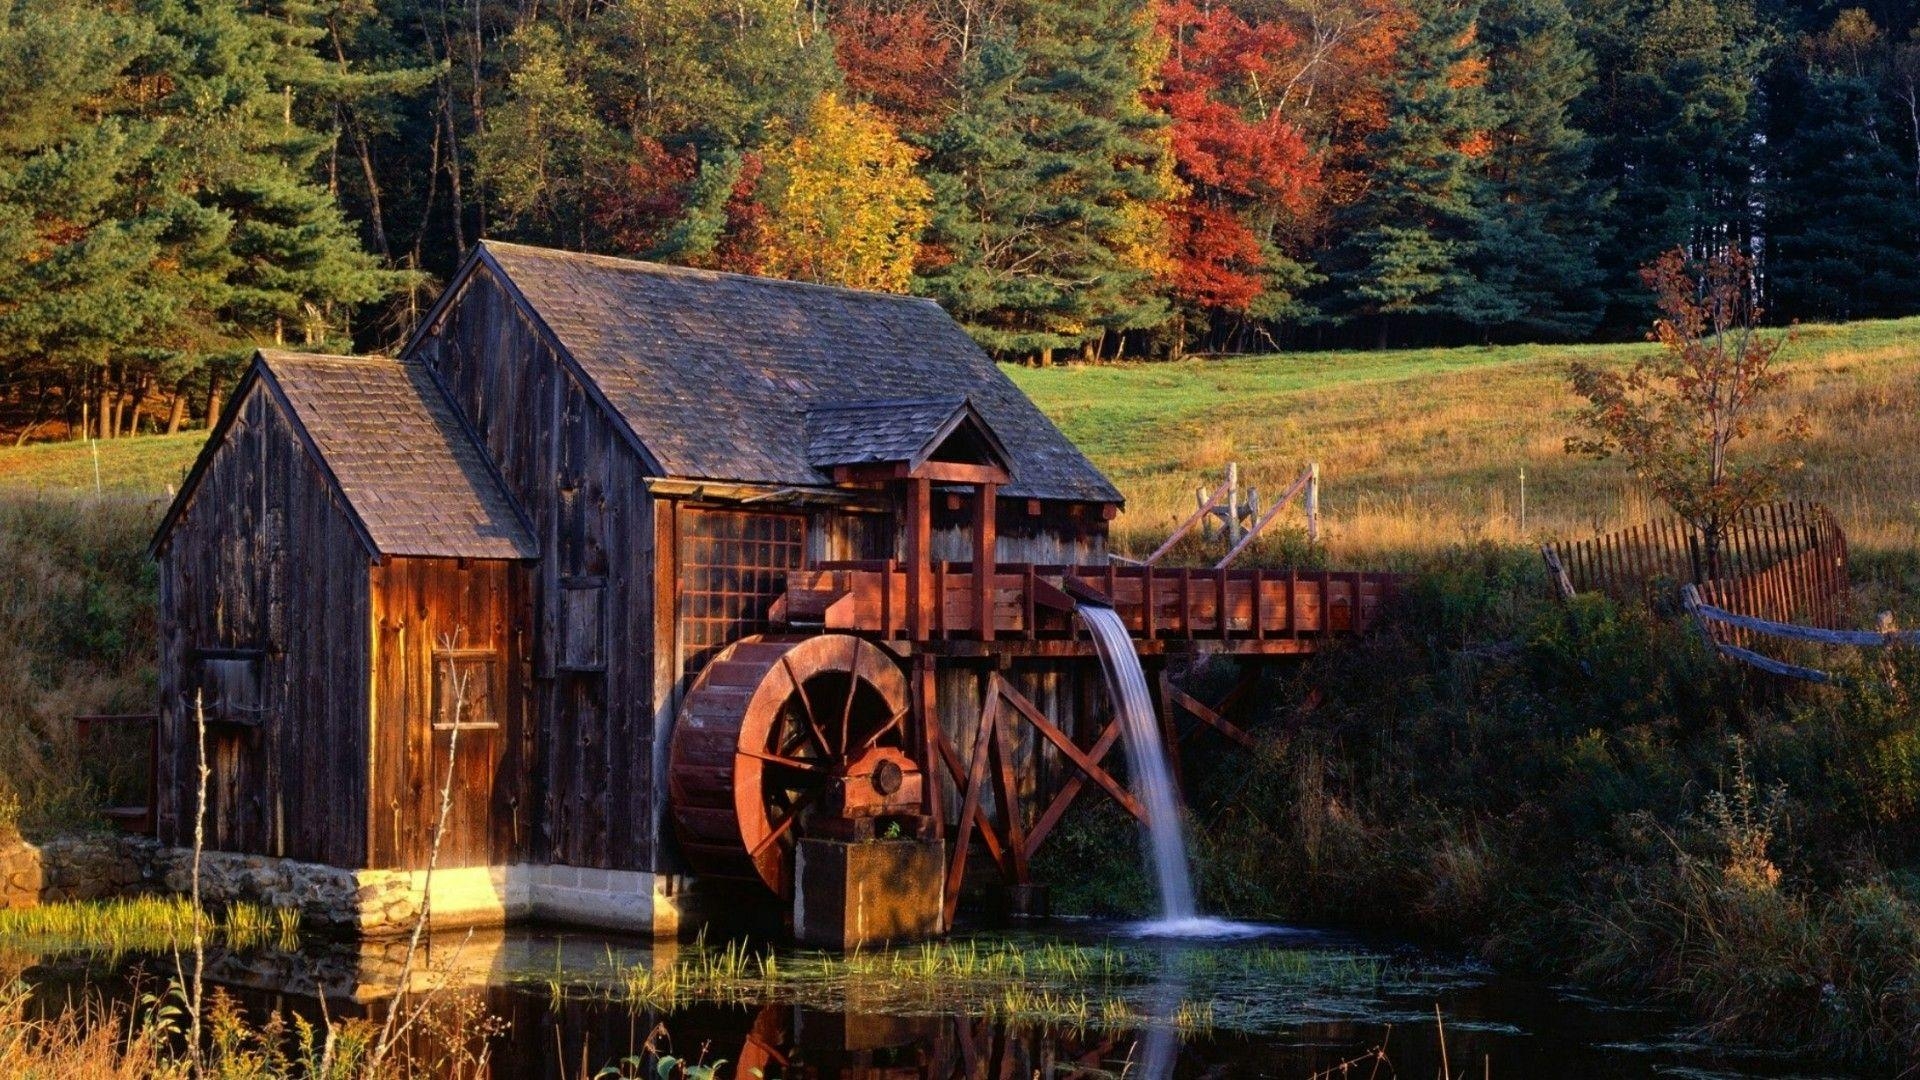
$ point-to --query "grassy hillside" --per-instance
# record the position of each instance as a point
(148, 465)
(1423, 447)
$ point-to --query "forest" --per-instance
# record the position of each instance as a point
(183, 180)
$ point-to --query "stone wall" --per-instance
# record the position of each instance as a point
(84, 867)
(363, 903)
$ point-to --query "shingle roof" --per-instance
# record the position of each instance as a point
(716, 373)
(868, 432)
(407, 466)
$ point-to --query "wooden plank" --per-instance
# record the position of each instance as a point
(1008, 778)
(1207, 714)
(1187, 526)
(984, 559)
(1050, 817)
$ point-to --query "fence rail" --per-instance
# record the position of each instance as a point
(1654, 560)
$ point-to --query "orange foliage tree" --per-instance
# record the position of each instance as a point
(1238, 159)
(1676, 415)
(843, 203)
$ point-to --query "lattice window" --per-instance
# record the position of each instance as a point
(733, 566)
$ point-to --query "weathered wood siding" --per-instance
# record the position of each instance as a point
(266, 571)
(1061, 534)
(427, 614)
(583, 487)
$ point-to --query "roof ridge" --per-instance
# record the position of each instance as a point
(337, 358)
(649, 266)
(951, 400)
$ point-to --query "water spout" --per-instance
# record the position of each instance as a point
(1147, 765)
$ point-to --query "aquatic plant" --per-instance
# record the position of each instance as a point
(128, 924)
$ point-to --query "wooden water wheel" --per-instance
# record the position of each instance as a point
(780, 728)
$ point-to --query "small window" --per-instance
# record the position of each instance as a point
(583, 624)
(466, 689)
(230, 686)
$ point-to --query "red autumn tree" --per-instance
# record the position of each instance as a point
(1240, 160)
(896, 59)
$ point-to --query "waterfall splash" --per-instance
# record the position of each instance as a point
(1152, 783)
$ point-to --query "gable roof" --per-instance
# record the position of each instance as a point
(383, 432)
(909, 431)
(715, 374)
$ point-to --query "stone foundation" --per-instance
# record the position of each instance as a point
(376, 903)
(87, 867)
(366, 903)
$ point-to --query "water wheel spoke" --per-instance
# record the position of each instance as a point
(786, 762)
(806, 707)
(853, 689)
(780, 827)
(880, 733)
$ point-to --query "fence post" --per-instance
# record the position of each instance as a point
(1233, 503)
(1313, 502)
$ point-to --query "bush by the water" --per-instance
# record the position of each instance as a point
(1583, 789)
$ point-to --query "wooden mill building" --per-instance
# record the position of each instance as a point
(581, 479)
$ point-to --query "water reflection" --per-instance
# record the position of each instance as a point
(1263, 1019)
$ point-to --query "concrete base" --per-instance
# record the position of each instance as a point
(377, 903)
(852, 895)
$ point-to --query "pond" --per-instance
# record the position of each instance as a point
(1085, 999)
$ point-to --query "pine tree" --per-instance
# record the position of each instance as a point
(1537, 242)
(1672, 110)
(1412, 235)
(1843, 229)
(1036, 176)
(292, 269)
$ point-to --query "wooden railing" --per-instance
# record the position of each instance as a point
(1031, 601)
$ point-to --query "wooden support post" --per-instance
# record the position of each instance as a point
(926, 701)
(983, 560)
(1170, 738)
(1009, 788)
(970, 804)
(919, 557)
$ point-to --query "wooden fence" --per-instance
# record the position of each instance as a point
(1654, 560)
(1808, 589)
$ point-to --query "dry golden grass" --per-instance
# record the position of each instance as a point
(1423, 448)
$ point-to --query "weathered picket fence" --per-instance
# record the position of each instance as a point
(1789, 555)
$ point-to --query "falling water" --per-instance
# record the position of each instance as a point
(1146, 760)
(1152, 782)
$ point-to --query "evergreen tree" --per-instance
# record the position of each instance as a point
(292, 269)
(1842, 224)
(1537, 241)
(1036, 176)
(1411, 237)
(1673, 114)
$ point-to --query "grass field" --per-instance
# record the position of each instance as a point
(1423, 447)
(1417, 448)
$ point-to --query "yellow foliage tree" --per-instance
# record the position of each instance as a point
(843, 204)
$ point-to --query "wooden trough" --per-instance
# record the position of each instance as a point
(1235, 612)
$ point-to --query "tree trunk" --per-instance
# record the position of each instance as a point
(140, 391)
(108, 415)
(177, 414)
(214, 398)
